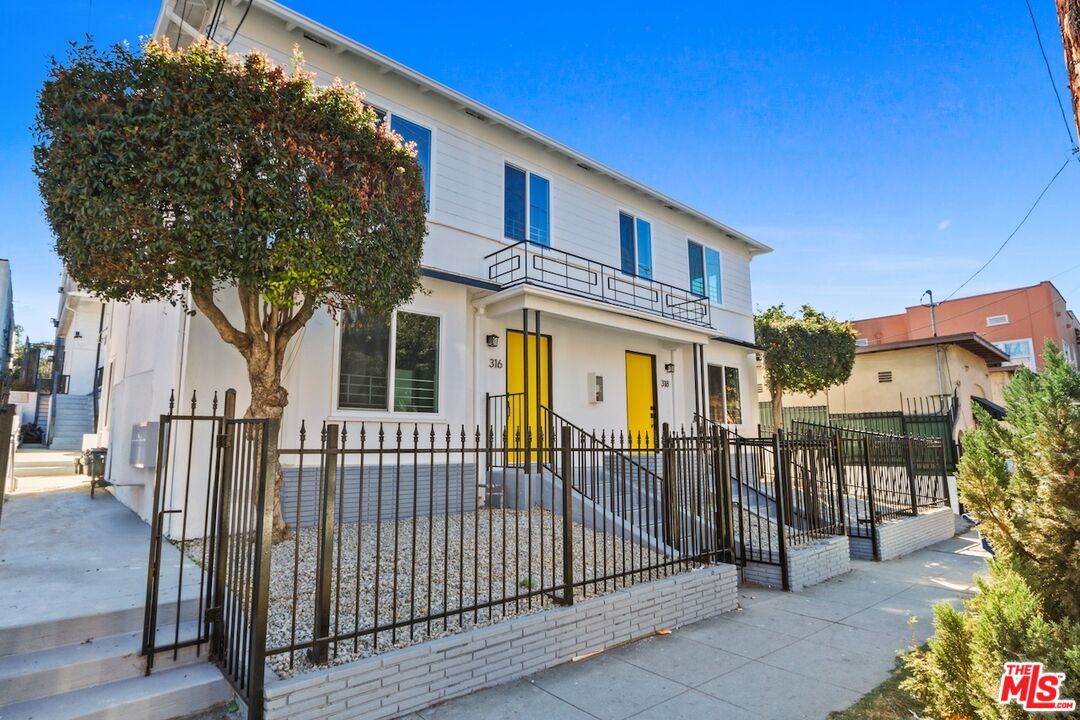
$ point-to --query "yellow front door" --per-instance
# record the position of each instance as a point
(641, 399)
(516, 384)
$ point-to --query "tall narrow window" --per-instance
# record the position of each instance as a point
(725, 395)
(705, 271)
(416, 363)
(365, 361)
(635, 246)
(697, 268)
(526, 204)
(394, 357)
(411, 132)
(514, 203)
(732, 396)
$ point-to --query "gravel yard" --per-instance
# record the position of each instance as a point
(446, 563)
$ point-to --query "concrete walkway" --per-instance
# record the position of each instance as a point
(780, 656)
(65, 555)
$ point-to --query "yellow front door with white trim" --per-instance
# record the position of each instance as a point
(641, 399)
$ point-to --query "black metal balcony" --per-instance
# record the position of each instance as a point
(525, 263)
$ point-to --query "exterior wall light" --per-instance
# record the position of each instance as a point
(669, 367)
(492, 341)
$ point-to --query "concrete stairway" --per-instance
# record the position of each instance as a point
(89, 668)
(73, 417)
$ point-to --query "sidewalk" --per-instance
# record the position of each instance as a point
(780, 656)
(64, 555)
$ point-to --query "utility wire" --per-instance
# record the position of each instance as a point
(1013, 233)
(1050, 74)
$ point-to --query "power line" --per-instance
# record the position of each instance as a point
(1050, 74)
(242, 19)
(1013, 233)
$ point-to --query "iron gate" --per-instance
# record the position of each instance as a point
(212, 595)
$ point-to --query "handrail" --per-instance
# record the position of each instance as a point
(602, 444)
(582, 277)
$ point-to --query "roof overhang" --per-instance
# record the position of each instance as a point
(340, 43)
(971, 342)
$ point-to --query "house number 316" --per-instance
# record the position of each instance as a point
(495, 363)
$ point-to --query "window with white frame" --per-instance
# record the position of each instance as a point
(1019, 351)
(411, 132)
(997, 320)
(635, 245)
(725, 396)
(389, 363)
(526, 206)
(704, 271)
(862, 342)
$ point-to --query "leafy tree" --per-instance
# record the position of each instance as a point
(191, 176)
(1019, 480)
(805, 353)
(957, 676)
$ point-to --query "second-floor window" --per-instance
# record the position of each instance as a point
(1019, 351)
(410, 132)
(635, 245)
(705, 271)
(526, 206)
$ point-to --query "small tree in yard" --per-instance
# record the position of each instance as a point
(242, 188)
(1021, 480)
(808, 353)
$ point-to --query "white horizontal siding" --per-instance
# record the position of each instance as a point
(468, 155)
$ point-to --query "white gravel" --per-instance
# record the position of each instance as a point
(469, 558)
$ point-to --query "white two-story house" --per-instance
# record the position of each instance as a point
(643, 304)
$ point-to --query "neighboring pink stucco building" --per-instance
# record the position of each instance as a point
(1019, 321)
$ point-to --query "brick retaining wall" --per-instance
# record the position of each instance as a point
(808, 565)
(402, 681)
(907, 534)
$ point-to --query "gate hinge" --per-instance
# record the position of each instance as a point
(222, 441)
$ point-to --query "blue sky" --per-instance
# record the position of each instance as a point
(880, 148)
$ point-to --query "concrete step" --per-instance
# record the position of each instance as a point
(96, 661)
(19, 639)
(166, 694)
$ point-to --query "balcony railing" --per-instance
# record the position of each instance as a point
(526, 263)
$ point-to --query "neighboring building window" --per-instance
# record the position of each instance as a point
(997, 320)
(526, 204)
(885, 376)
(384, 358)
(862, 342)
(1019, 351)
(725, 396)
(705, 271)
(635, 245)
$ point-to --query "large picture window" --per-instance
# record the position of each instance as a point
(1019, 351)
(725, 395)
(389, 363)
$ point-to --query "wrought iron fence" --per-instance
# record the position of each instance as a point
(526, 263)
(884, 476)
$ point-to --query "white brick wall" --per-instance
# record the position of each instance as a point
(406, 680)
(905, 535)
(807, 564)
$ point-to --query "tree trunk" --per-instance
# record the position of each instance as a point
(777, 395)
(268, 400)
